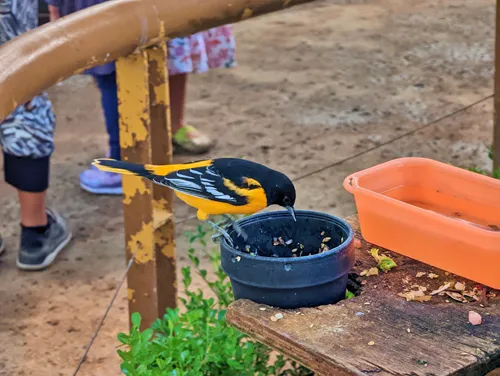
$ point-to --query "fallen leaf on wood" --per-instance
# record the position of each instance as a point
(433, 276)
(417, 296)
(475, 318)
(369, 272)
(456, 296)
(385, 263)
(471, 295)
(420, 288)
(420, 274)
(446, 286)
(459, 286)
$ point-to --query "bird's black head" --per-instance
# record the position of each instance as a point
(280, 191)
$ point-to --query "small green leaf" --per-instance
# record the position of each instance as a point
(234, 364)
(386, 264)
(349, 295)
(147, 334)
(123, 338)
(127, 369)
(136, 319)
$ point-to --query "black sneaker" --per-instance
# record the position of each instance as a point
(39, 250)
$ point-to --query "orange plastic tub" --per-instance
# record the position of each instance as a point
(442, 215)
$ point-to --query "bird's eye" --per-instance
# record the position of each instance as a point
(286, 200)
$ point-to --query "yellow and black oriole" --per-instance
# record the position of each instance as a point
(222, 186)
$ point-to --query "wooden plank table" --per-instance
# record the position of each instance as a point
(379, 332)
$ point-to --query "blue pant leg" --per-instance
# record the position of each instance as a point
(109, 100)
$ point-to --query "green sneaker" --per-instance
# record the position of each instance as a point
(192, 140)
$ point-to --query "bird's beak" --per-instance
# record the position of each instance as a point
(291, 210)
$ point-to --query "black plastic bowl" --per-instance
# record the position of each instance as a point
(265, 273)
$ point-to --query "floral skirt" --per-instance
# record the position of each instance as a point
(214, 48)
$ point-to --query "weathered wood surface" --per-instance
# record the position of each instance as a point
(410, 338)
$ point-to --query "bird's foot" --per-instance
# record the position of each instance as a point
(220, 232)
(236, 226)
(216, 237)
(240, 231)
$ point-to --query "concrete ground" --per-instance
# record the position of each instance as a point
(314, 85)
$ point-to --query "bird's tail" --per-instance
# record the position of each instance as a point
(145, 170)
(123, 168)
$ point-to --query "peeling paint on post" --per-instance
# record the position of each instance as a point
(145, 137)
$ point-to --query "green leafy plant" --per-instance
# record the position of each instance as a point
(199, 342)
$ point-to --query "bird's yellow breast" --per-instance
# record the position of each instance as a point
(256, 202)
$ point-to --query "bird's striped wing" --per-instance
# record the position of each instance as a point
(203, 182)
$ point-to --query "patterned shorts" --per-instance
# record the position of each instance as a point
(29, 130)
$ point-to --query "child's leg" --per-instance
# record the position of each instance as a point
(109, 100)
(187, 137)
(27, 139)
(32, 208)
(31, 179)
(94, 180)
(177, 86)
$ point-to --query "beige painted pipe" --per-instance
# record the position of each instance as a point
(55, 51)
